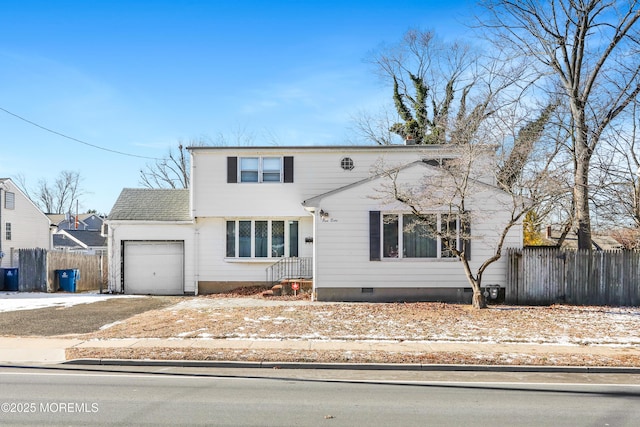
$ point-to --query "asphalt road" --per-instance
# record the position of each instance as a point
(77, 319)
(57, 397)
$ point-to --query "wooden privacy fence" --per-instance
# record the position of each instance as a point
(541, 276)
(37, 270)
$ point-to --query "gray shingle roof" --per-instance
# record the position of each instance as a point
(89, 238)
(60, 240)
(146, 204)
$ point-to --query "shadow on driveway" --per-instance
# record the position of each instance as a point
(80, 318)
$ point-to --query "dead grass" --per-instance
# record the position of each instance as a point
(222, 317)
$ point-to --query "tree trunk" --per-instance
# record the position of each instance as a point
(581, 195)
(478, 301)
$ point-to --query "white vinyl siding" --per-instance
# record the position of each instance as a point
(317, 171)
(22, 224)
(215, 263)
(343, 243)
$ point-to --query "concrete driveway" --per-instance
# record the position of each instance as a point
(77, 319)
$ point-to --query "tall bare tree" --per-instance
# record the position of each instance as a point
(426, 75)
(591, 48)
(172, 171)
(57, 197)
(616, 197)
(454, 191)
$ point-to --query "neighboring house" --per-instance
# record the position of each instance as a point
(80, 241)
(599, 241)
(22, 224)
(89, 222)
(251, 210)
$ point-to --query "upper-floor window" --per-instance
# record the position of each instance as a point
(7, 230)
(9, 200)
(259, 169)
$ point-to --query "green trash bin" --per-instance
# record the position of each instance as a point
(10, 276)
(67, 279)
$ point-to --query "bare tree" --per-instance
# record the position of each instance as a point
(57, 197)
(376, 127)
(172, 171)
(616, 196)
(445, 205)
(426, 75)
(482, 140)
(592, 49)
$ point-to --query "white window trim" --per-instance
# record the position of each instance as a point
(438, 256)
(253, 257)
(260, 169)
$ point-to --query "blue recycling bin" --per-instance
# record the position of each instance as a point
(10, 276)
(67, 279)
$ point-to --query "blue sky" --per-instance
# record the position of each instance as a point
(137, 76)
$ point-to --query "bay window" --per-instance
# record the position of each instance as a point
(261, 238)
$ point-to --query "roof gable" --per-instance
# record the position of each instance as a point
(311, 202)
(145, 204)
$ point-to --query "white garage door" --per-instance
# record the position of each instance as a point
(154, 267)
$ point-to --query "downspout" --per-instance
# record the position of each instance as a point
(113, 266)
(196, 256)
(313, 255)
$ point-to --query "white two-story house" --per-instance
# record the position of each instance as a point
(22, 224)
(254, 215)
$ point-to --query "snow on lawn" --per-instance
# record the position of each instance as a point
(271, 319)
(13, 301)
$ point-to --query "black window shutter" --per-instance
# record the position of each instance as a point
(232, 170)
(288, 169)
(374, 235)
(466, 235)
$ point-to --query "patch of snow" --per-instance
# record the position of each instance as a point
(14, 301)
(109, 325)
(205, 335)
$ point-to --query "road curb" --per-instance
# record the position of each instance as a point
(356, 366)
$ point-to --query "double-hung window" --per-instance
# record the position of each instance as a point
(260, 169)
(428, 236)
(7, 230)
(262, 238)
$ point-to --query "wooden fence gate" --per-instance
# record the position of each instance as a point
(542, 276)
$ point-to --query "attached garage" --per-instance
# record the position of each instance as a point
(153, 267)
